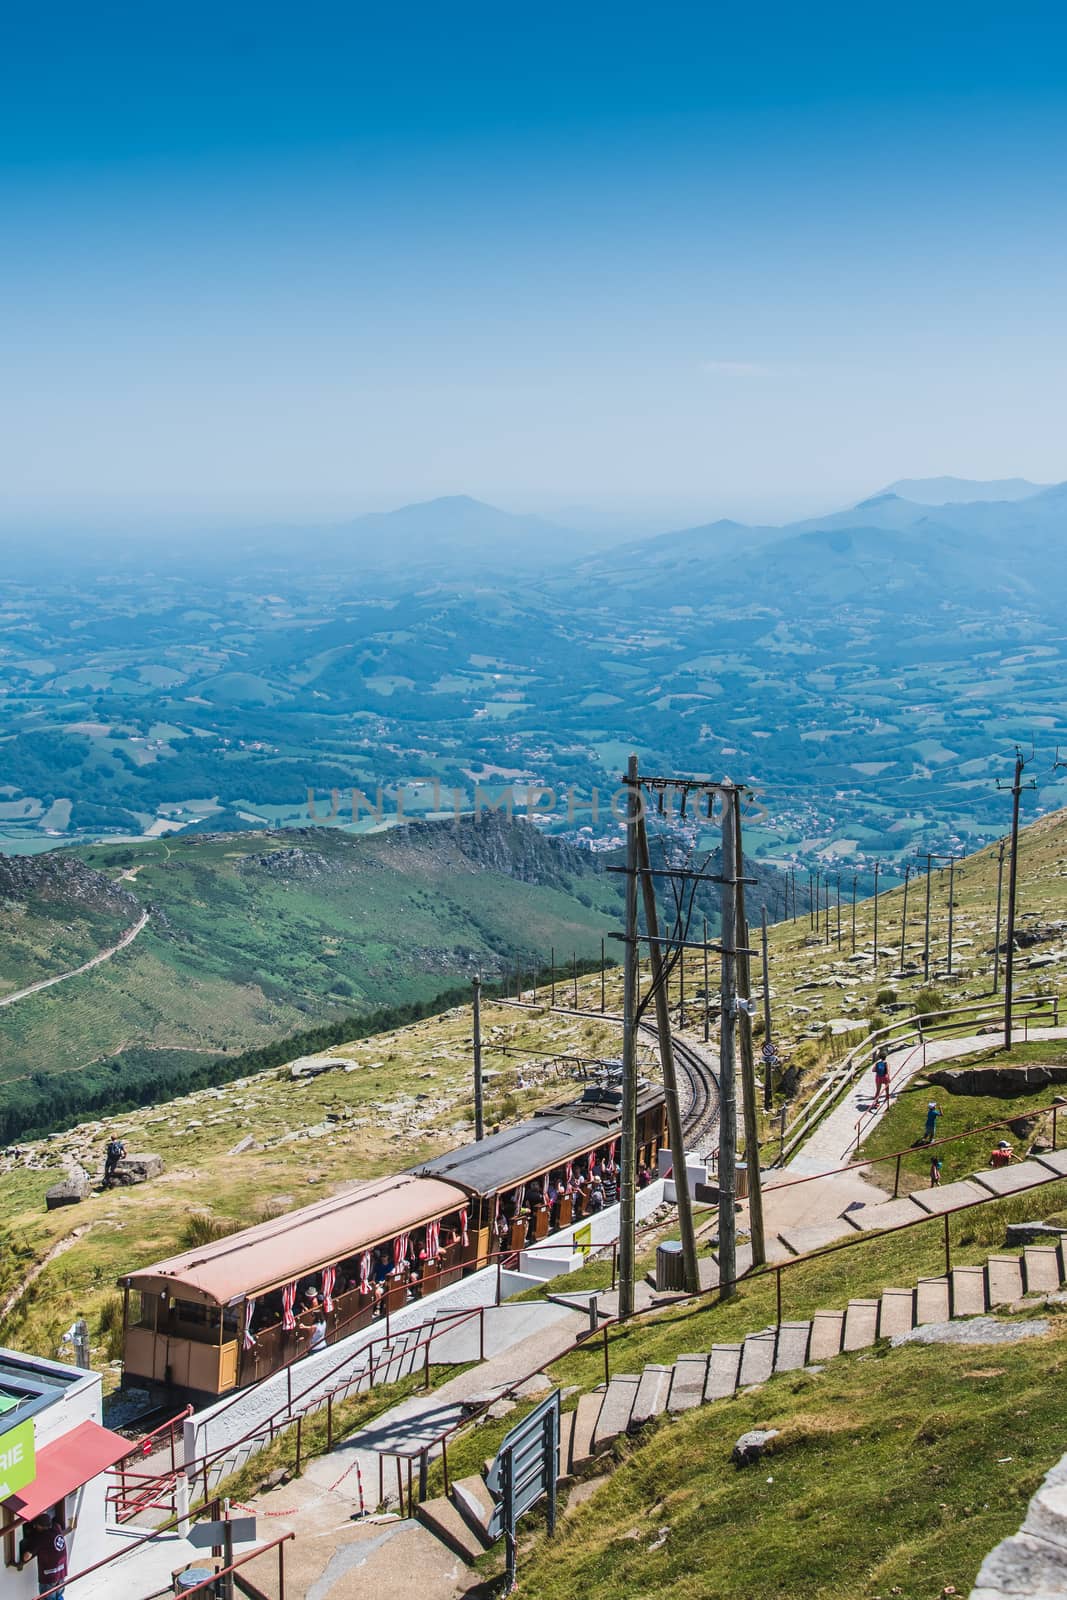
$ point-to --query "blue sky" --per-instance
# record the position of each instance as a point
(668, 260)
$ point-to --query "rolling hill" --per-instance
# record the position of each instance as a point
(256, 936)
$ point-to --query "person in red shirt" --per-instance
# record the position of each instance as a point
(1001, 1154)
(45, 1540)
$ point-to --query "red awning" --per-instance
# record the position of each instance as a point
(64, 1465)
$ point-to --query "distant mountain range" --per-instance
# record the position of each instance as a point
(946, 491)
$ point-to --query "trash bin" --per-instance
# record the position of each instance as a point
(670, 1268)
(191, 1577)
(741, 1180)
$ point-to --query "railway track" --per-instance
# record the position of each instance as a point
(698, 1085)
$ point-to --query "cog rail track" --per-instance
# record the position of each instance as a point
(698, 1085)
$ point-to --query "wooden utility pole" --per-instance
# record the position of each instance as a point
(768, 1077)
(666, 1057)
(628, 1140)
(904, 918)
(707, 995)
(574, 975)
(926, 943)
(1000, 890)
(853, 913)
(727, 1083)
(951, 906)
(874, 952)
(553, 975)
(1013, 881)
(748, 1064)
(603, 979)
(839, 911)
(479, 1123)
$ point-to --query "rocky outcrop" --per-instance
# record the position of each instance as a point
(57, 877)
(137, 1169)
(74, 1188)
(997, 1080)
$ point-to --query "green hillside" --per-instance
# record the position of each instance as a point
(255, 937)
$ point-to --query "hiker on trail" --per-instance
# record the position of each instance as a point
(1001, 1154)
(45, 1540)
(881, 1079)
(933, 1111)
(112, 1156)
(935, 1173)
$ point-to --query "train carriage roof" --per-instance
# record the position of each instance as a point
(551, 1138)
(285, 1248)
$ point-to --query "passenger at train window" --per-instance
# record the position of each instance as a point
(379, 1268)
(596, 1196)
(644, 1175)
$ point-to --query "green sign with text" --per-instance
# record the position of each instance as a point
(18, 1465)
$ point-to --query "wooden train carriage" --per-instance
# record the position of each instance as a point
(532, 1179)
(230, 1312)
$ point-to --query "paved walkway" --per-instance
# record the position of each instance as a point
(834, 1140)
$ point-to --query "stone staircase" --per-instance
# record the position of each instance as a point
(994, 1183)
(632, 1400)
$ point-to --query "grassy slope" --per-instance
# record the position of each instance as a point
(895, 1472)
(241, 955)
(410, 1098)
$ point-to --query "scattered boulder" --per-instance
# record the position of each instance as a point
(750, 1447)
(997, 1080)
(314, 1067)
(975, 1330)
(75, 1187)
(247, 1143)
(1019, 1233)
(137, 1169)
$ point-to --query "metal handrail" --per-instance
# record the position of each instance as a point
(825, 1098)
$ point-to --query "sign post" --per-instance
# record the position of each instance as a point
(524, 1472)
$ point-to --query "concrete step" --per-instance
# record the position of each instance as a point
(1004, 1279)
(1041, 1268)
(861, 1325)
(652, 1392)
(801, 1241)
(1054, 1160)
(687, 1383)
(896, 1312)
(472, 1500)
(948, 1197)
(890, 1214)
(827, 1330)
(931, 1300)
(724, 1363)
(792, 1351)
(615, 1412)
(968, 1291)
(757, 1358)
(445, 1522)
(585, 1420)
(1013, 1179)
(566, 1430)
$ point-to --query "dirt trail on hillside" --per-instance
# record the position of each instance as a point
(104, 955)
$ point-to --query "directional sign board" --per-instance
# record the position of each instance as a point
(524, 1471)
(209, 1535)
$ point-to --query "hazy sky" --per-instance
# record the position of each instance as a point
(261, 260)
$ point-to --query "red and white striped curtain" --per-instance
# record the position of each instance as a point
(364, 1272)
(250, 1306)
(400, 1249)
(570, 1173)
(591, 1162)
(329, 1279)
(288, 1301)
(496, 1208)
(463, 1227)
(433, 1239)
(611, 1151)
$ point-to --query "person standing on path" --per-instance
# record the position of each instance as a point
(933, 1111)
(881, 1079)
(115, 1152)
(935, 1173)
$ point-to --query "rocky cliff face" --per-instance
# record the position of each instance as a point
(56, 878)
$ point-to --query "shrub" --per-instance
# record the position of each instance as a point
(929, 999)
(202, 1227)
(885, 997)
